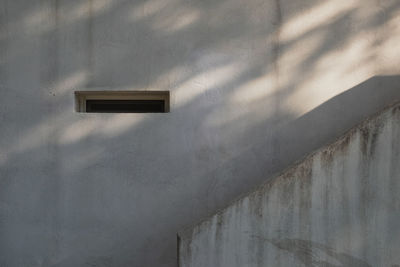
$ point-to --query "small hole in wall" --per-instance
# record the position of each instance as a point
(122, 101)
(125, 106)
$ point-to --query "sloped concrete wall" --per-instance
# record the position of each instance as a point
(338, 207)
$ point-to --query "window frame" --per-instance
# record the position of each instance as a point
(82, 96)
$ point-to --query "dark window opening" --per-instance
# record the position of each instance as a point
(125, 106)
(122, 101)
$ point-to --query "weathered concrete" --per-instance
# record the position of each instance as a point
(255, 85)
(339, 207)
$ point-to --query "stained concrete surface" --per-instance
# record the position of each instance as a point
(254, 86)
(339, 207)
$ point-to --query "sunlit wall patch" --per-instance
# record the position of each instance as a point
(122, 101)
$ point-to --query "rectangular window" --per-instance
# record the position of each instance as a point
(122, 101)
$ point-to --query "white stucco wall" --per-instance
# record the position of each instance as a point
(255, 85)
(338, 207)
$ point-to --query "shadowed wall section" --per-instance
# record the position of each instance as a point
(338, 207)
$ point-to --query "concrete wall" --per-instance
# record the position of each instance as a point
(338, 207)
(255, 85)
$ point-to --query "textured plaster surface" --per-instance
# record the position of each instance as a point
(255, 85)
(338, 207)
